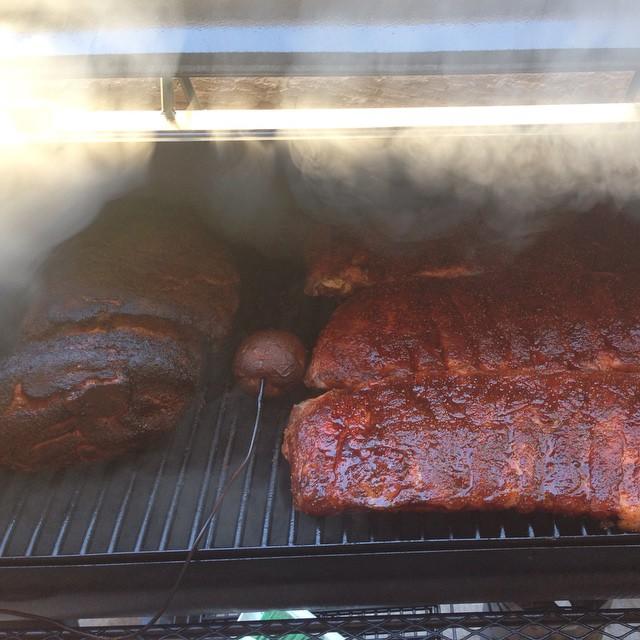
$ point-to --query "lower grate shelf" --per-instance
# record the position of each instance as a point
(424, 623)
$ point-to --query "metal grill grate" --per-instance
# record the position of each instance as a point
(156, 500)
(106, 539)
(567, 624)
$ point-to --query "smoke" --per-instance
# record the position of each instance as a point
(252, 202)
(412, 187)
(406, 187)
(49, 191)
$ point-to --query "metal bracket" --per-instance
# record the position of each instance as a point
(189, 92)
(633, 90)
(167, 99)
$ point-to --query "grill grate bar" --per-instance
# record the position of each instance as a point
(37, 531)
(205, 485)
(221, 480)
(246, 487)
(13, 519)
(66, 520)
(171, 511)
(144, 525)
(423, 529)
(293, 522)
(87, 538)
(318, 531)
(126, 499)
(271, 488)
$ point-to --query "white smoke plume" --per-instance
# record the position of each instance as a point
(408, 187)
(411, 187)
(51, 190)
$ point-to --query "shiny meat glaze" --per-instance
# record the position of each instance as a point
(562, 443)
(499, 323)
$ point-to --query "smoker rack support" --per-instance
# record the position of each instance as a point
(189, 92)
(634, 87)
(334, 38)
(167, 98)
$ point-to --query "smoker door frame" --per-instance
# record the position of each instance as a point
(135, 585)
(358, 37)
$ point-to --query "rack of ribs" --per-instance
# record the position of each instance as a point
(493, 324)
(561, 443)
(339, 263)
(515, 389)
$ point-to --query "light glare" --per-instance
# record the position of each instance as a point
(78, 124)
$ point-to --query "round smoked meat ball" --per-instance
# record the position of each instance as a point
(277, 356)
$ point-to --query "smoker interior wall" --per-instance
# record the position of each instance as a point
(279, 92)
